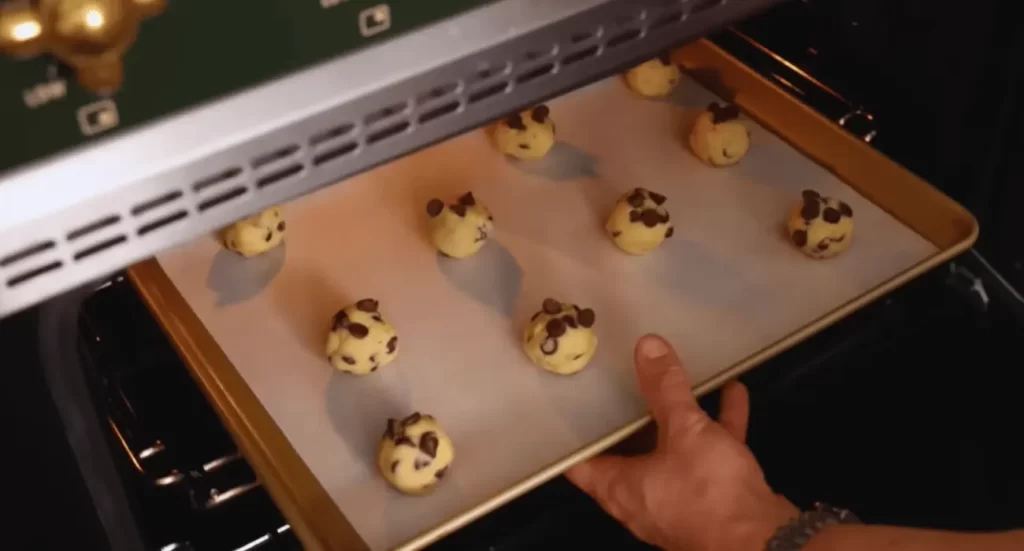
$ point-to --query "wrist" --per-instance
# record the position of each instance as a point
(778, 514)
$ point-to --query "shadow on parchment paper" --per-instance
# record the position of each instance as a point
(236, 279)
(691, 271)
(306, 301)
(359, 408)
(491, 277)
(565, 162)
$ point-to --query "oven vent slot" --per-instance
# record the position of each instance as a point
(222, 198)
(94, 227)
(279, 175)
(25, 253)
(217, 179)
(162, 221)
(331, 133)
(33, 273)
(151, 204)
(100, 247)
(334, 153)
(386, 113)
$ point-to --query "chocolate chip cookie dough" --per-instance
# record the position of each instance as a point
(529, 135)
(360, 341)
(822, 227)
(256, 234)
(718, 137)
(414, 454)
(639, 222)
(560, 338)
(459, 230)
(654, 78)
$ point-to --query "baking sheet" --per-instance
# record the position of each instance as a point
(726, 286)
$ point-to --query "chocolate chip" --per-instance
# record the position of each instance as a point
(412, 419)
(419, 463)
(839, 239)
(555, 328)
(831, 215)
(549, 346)
(515, 122)
(576, 357)
(481, 235)
(725, 153)
(799, 238)
(723, 114)
(440, 474)
(535, 316)
(281, 226)
(270, 235)
(616, 233)
(349, 360)
(587, 317)
(404, 441)
(429, 443)
(636, 215)
(663, 217)
(358, 330)
(340, 320)
(392, 344)
(434, 207)
(367, 305)
(377, 318)
(394, 466)
(823, 246)
(845, 209)
(392, 429)
(524, 146)
(569, 320)
(670, 232)
(636, 199)
(467, 199)
(459, 210)
(810, 210)
(651, 218)
(490, 217)
(658, 198)
(810, 195)
(540, 114)
(373, 358)
(551, 306)
(374, 368)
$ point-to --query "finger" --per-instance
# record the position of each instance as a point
(734, 411)
(663, 382)
(602, 478)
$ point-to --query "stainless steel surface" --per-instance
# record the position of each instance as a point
(75, 218)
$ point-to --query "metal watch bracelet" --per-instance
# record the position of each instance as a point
(795, 535)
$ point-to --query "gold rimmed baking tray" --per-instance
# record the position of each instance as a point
(728, 289)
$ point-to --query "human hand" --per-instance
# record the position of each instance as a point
(701, 489)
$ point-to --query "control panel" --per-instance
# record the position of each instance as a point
(74, 71)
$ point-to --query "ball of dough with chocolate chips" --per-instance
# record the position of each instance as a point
(560, 338)
(414, 454)
(529, 135)
(821, 226)
(639, 222)
(360, 340)
(462, 229)
(654, 78)
(256, 234)
(718, 137)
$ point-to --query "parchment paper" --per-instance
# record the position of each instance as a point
(727, 285)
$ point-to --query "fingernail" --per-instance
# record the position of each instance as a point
(653, 347)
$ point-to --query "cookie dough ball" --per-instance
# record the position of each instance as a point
(654, 78)
(360, 340)
(718, 137)
(414, 454)
(256, 234)
(639, 222)
(462, 229)
(528, 135)
(560, 338)
(821, 226)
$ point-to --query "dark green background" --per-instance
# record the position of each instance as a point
(196, 51)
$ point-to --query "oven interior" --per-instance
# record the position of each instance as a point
(904, 412)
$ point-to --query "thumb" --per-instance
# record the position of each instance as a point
(664, 384)
(603, 478)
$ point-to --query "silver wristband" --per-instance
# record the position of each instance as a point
(795, 535)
